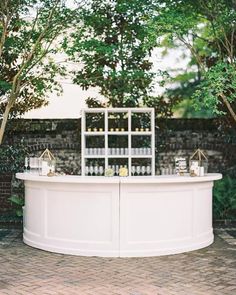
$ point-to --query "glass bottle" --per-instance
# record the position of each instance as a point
(26, 165)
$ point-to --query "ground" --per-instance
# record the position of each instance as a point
(26, 270)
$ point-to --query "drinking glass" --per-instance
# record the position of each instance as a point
(86, 170)
(96, 170)
(117, 169)
(101, 170)
(148, 169)
(133, 170)
(91, 170)
(143, 170)
(138, 170)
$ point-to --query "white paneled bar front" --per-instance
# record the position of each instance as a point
(118, 217)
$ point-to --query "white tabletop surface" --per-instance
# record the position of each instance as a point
(115, 179)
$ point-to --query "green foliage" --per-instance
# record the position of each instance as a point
(12, 158)
(224, 199)
(114, 43)
(219, 80)
(207, 30)
(31, 34)
(18, 202)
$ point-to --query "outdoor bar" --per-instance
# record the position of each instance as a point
(118, 217)
(118, 206)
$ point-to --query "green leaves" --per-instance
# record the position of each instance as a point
(224, 198)
(34, 36)
(113, 46)
(218, 80)
(12, 158)
(18, 202)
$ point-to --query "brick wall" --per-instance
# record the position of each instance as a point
(173, 137)
(5, 192)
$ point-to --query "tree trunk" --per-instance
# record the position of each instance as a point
(227, 104)
(4, 122)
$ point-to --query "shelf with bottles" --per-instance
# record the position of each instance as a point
(117, 163)
(94, 167)
(118, 145)
(141, 167)
(141, 122)
(118, 121)
(94, 123)
(141, 146)
(94, 146)
(118, 134)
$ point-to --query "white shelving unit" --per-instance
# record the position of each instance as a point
(111, 126)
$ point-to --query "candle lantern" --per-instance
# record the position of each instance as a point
(198, 163)
(48, 163)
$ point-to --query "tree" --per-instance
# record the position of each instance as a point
(207, 29)
(31, 33)
(113, 44)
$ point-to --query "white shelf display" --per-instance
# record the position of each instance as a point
(118, 137)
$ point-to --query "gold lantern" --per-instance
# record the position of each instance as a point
(198, 163)
(48, 163)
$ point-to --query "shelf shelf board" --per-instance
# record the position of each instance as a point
(94, 156)
(141, 133)
(141, 156)
(94, 133)
(118, 132)
(118, 156)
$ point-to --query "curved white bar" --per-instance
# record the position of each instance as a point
(130, 216)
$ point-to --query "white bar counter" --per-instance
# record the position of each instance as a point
(118, 216)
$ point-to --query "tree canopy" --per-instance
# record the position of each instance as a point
(113, 44)
(31, 33)
(207, 30)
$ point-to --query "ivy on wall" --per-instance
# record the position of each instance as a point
(12, 158)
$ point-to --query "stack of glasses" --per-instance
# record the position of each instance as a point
(141, 170)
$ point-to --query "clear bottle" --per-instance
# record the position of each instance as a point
(26, 166)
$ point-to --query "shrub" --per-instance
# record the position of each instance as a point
(224, 199)
(12, 158)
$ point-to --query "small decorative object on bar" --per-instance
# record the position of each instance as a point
(48, 163)
(109, 172)
(198, 163)
(123, 172)
(180, 166)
